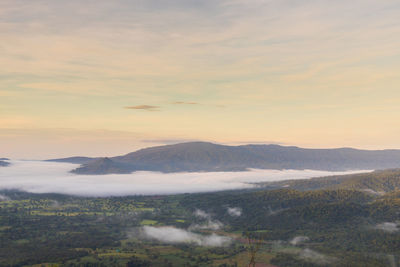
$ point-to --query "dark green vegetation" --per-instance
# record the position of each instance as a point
(201, 156)
(322, 227)
(377, 182)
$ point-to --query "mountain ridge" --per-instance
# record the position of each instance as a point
(209, 157)
(76, 160)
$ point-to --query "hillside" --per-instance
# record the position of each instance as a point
(377, 182)
(103, 166)
(202, 156)
(290, 227)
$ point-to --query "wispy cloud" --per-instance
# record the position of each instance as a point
(184, 103)
(168, 141)
(316, 257)
(208, 222)
(4, 198)
(144, 107)
(256, 142)
(202, 214)
(234, 212)
(298, 240)
(388, 227)
(207, 225)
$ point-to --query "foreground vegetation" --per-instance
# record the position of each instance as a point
(282, 227)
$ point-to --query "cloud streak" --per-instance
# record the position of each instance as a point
(185, 103)
(387, 227)
(168, 141)
(144, 107)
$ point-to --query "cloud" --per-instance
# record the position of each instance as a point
(202, 214)
(387, 227)
(168, 141)
(55, 204)
(270, 211)
(315, 257)
(169, 234)
(306, 254)
(297, 240)
(144, 107)
(4, 198)
(255, 142)
(208, 223)
(234, 212)
(185, 103)
(55, 177)
(373, 192)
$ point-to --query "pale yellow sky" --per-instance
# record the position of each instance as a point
(108, 77)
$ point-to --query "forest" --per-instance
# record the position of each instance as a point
(257, 227)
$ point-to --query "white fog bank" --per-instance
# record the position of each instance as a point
(172, 235)
(54, 177)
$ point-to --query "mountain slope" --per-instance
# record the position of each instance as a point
(377, 182)
(202, 156)
(103, 166)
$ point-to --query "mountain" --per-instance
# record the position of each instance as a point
(76, 160)
(205, 157)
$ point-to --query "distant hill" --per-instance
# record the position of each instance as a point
(377, 182)
(206, 157)
(103, 166)
(3, 162)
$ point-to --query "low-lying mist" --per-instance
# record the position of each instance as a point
(172, 235)
(389, 227)
(54, 177)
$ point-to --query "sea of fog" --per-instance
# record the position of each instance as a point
(54, 177)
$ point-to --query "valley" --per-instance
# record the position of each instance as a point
(283, 227)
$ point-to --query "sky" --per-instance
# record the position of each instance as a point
(104, 77)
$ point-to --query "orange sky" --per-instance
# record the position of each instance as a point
(108, 77)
